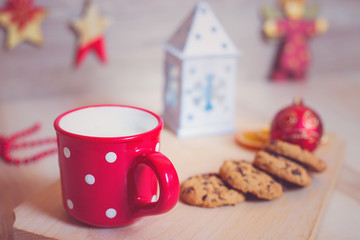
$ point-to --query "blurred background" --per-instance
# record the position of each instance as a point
(134, 44)
(39, 83)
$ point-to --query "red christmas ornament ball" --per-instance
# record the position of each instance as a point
(297, 124)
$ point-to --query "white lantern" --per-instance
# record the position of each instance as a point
(201, 73)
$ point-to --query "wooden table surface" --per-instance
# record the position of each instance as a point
(38, 91)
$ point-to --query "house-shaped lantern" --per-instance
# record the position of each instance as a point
(201, 73)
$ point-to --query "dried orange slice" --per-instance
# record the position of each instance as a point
(255, 139)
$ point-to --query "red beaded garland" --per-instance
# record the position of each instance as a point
(8, 144)
(297, 124)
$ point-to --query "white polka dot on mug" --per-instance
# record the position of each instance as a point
(110, 213)
(67, 152)
(110, 157)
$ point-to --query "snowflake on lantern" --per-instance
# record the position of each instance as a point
(22, 22)
(294, 30)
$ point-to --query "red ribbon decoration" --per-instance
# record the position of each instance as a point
(97, 45)
(7, 144)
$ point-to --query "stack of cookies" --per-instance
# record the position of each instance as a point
(277, 161)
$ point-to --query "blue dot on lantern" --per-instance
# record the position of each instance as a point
(227, 68)
(192, 71)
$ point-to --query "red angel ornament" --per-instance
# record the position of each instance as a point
(293, 57)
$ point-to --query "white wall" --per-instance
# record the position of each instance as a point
(134, 46)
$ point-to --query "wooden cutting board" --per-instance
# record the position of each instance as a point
(296, 215)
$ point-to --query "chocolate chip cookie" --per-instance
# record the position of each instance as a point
(296, 153)
(208, 190)
(282, 168)
(243, 176)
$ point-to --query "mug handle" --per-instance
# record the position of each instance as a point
(168, 180)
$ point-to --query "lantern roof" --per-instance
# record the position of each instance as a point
(201, 35)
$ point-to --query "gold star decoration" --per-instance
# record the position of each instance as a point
(22, 22)
(90, 29)
(91, 26)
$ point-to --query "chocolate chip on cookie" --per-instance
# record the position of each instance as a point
(243, 176)
(282, 168)
(208, 190)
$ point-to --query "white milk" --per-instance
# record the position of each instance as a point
(108, 121)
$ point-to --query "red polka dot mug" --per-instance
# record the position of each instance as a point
(111, 170)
